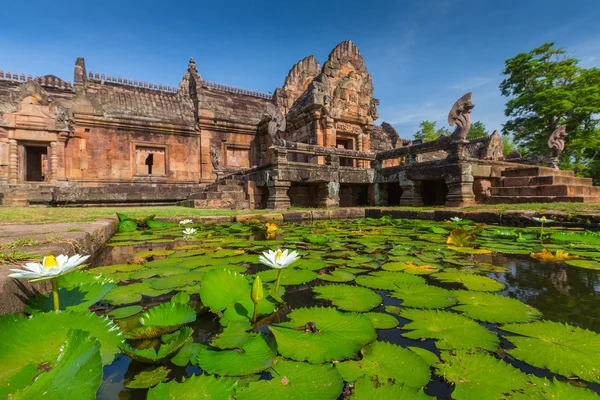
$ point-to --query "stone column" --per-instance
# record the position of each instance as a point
(460, 187)
(13, 162)
(59, 174)
(53, 163)
(278, 196)
(411, 191)
(329, 195)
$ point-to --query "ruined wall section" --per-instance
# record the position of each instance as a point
(296, 83)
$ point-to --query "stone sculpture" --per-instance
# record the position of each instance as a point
(215, 157)
(460, 115)
(275, 123)
(556, 143)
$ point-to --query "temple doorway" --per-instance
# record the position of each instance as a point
(345, 144)
(434, 192)
(36, 163)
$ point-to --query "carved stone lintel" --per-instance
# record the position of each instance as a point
(460, 115)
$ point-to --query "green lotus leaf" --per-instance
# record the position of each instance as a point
(289, 276)
(588, 264)
(79, 277)
(563, 349)
(221, 288)
(387, 280)
(316, 239)
(410, 267)
(153, 253)
(488, 307)
(555, 389)
(335, 336)
(337, 275)
(24, 347)
(452, 331)
(163, 318)
(234, 335)
(255, 355)
(480, 376)
(76, 298)
(175, 281)
(113, 269)
(165, 351)
(423, 296)
(124, 312)
(296, 380)
(127, 226)
(349, 298)
(427, 356)
(382, 320)
(310, 264)
(125, 294)
(149, 378)
(387, 361)
(79, 361)
(367, 388)
(152, 224)
(586, 237)
(193, 388)
(470, 281)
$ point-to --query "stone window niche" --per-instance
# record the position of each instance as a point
(237, 157)
(150, 161)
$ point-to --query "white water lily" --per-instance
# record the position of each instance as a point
(49, 268)
(190, 231)
(185, 222)
(456, 219)
(278, 259)
(542, 220)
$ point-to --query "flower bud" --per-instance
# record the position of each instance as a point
(257, 290)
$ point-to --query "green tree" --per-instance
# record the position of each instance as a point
(428, 133)
(477, 130)
(546, 88)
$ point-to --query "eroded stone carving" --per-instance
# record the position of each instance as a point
(460, 115)
(275, 123)
(215, 157)
(556, 143)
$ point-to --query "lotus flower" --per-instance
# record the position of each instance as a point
(51, 267)
(190, 231)
(256, 295)
(456, 219)
(185, 222)
(542, 220)
(278, 259)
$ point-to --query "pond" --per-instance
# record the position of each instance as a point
(371, 309)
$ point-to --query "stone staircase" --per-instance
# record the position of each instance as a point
(225, 193)
(542, 185)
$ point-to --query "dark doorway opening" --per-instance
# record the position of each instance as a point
(354, 195)
(36, 159)
(345, 144)
(434, 192)
(304, 195)
(394, 193)
(149, 162)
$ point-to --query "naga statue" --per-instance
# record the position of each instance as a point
(275, 123)
(460, 115)
(556, 143)
(215, 157)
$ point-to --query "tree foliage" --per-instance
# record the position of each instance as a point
(428, 133)
(547, 88)
(477, 130)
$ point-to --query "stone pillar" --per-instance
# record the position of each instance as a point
(329, 195)
(411, 191)
(59, 173)
(13, 162)
(53, 162)
(278, 195)
(460, 187)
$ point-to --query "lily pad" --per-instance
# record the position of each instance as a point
(165, 351)
(124, 312)
(588, 264)
(164, 318)
(195, 387)
(382, 320)
(410, 267)
(366, 388)
(496, 308)
(149, 378)
(318, 335)
(337, 275)
(387, 280)
(423, 296)
(76, 298)
(253, 356)
(452, 331)
(296, 380)
(470, 281)
(349, 298)
(153, 253)
(563, 349)
(289, 276)
(387, 361)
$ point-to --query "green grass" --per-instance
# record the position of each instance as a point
(30, 215)
(15, 257)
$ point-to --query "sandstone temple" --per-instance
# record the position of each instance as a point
(102, 139)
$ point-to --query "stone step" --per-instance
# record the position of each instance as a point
(221, 196)
(222, 204)
(535, 171)
(546, 190)
(541, 199)
(544, 180)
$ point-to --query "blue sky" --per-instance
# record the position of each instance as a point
(422, 54)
